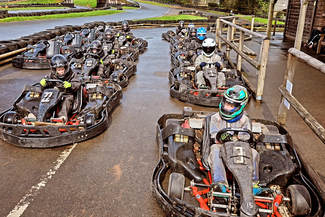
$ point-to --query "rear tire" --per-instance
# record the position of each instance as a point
(300, 201)
(176, 186)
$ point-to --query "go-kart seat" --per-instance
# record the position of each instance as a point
(53, 49)
(77, 103)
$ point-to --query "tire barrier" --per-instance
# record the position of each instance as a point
(35, 5)
(43, 13)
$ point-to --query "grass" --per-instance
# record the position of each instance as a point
(132, 8)
(261, 20)
(31, 8)
(31, 2)
(87, 3)
(176, 17)
(59, 16)
(154, 3)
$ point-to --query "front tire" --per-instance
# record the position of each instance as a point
(300, 201)
(11, 117)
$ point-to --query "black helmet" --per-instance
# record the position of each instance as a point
(181, 24)
(96, 47)
(193, 32)
(68, 38)
(58, 62)
(85, 33)
(100, 28)
(125, 26)
(110, 35)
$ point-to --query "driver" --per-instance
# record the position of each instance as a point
(60, 70)
(104, 59)
(231, 115)
(110, 38)
(205, 60)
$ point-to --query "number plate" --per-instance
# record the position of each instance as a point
(89, 63)
(46, 97)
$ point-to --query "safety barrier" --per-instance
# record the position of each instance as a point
(260, 65)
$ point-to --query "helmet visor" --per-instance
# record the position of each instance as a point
(209, 50)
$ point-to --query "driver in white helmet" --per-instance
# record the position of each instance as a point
(208, 59)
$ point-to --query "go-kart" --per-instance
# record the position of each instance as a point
(139, 44)
(37, 56)
(168, 35)
(33, 120)
(183, 85)
(122, 71)
(183, 180)
(127, 52)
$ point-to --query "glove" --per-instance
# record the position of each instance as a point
(202, 64)
(43, 82)
(217, 64)
(66, 84)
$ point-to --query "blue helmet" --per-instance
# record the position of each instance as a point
(201, 33)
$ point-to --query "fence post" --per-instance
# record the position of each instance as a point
(275, 21)
(270, 18)
(240, 47)
(262, 70)
(252, 25)
(233, 29)
(218, 32)
(228, 39)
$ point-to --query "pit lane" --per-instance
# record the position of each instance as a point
(110, 174)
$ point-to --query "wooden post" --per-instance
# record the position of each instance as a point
(240, 47)
(301, 24)
(228, 39)
(218, 32)
(252, 25)
(276, 19)
(261, 76)
(292, 60)
(270, 19)
(291, 66)
(233, 29)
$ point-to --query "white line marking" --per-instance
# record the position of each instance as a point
(34, 191)
(167, 11)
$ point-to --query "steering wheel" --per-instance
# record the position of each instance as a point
(58, 81)
(224, 135)
(92, 54)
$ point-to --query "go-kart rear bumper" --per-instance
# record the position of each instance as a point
(30, 63)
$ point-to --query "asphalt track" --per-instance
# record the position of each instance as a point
(110, 174)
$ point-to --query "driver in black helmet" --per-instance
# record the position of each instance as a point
(111, 39)
(104, 59)
(71, 83)
(126, 31)
(181, 25)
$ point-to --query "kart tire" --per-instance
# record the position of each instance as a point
(89, 120)
(11, 117)
(176, 186)
(300, 201)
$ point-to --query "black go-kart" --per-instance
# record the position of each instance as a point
(122, 71)
(182, 181)
(127, 52)
(168, 35)
(183, 84)
(139, 44)
(37, 56)
(33, 120)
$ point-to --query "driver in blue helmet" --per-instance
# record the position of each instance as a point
(201, 34)
(60, 70)
(231, 115)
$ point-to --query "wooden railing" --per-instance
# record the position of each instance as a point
(295, 54)
(260, 65)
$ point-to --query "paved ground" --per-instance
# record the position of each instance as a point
(110, 174)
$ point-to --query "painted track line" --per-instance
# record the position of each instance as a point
(34, 191)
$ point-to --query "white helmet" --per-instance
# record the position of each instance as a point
(209, 45)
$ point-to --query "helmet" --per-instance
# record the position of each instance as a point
(201, 33)
(181, 24)
(233, 103)
(100, 28)
(110, 35)
(209, 45)
(125, 26)
(96, 47)
(85, 33)
(58, 62)
(193, 32)
(190, 25)
(68, 38)
(183, 33)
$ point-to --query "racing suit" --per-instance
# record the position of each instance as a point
(193, 47)
(200, 81)
(69, 94)
(216, 164)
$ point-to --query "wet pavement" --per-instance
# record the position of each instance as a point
(110, 174)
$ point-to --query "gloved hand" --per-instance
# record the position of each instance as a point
(202, 64)
(217, 64)
(66, 84)
(43, 82)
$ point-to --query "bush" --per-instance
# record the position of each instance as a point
(280, 14)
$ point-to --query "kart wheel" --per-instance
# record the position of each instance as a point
(90, 120)
(11, 117)
(300, 201)
(176, 186)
